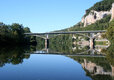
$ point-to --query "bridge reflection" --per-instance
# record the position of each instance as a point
(95, 65)
(49, 51)
(96, 50)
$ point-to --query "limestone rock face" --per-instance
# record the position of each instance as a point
(95, 69)
(112, 11)
(93, 16)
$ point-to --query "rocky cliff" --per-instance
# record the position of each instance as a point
(95, 69)
(112, 11)
(93, 16)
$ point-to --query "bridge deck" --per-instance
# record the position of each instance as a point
(71, 32)
(70, 55)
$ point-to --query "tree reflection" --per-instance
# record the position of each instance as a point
(96, 67)
(110, 54)
(99, 68)
(13, 55)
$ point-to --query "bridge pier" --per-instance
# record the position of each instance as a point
(112, 71)
(91, 41)
(92, 51)
(46, 42)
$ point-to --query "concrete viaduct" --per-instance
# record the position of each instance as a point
(91, 36)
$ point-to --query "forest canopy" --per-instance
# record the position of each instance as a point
(13, 34)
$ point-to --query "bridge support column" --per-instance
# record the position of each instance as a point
(91, 41)
(46, 42)
(113, 71)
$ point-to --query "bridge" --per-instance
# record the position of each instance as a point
(70, 32)
(91, 35)
(69, 55)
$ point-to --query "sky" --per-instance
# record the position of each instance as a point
(44, 15)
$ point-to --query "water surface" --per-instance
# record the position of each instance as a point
(44, 67)
(31, 64)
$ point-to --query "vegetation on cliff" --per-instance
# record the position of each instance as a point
(104, 5)
(102, 24)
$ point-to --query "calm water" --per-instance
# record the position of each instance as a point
(44, 67)
(17, 64)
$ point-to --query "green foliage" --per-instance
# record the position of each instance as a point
(104, 5)
(27, 30)
(13, 34)
(102, 24)
(105, 63)
(12, 54)
(110, 54)
(40, 43)
(97, 60)
(110, 32)
(64, 44)
(15, 54)
(101, 42)
(61, 43)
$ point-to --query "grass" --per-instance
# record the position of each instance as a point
(101, 42)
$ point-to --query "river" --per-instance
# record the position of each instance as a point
(18, 63)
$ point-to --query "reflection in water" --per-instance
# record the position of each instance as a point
(97, 68)
(94, 68)
(112, 70)
(13, 55)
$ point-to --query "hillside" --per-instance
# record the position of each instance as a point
(99, 17)
(96, 18)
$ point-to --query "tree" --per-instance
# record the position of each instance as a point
(27, 30)
(110, 32)
(14, 34)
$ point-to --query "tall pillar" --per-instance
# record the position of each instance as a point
(113, 71)
(112, 12)
(47, 50)
(91, 40)
(91, 43)
(92, 51)
(46, 42)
